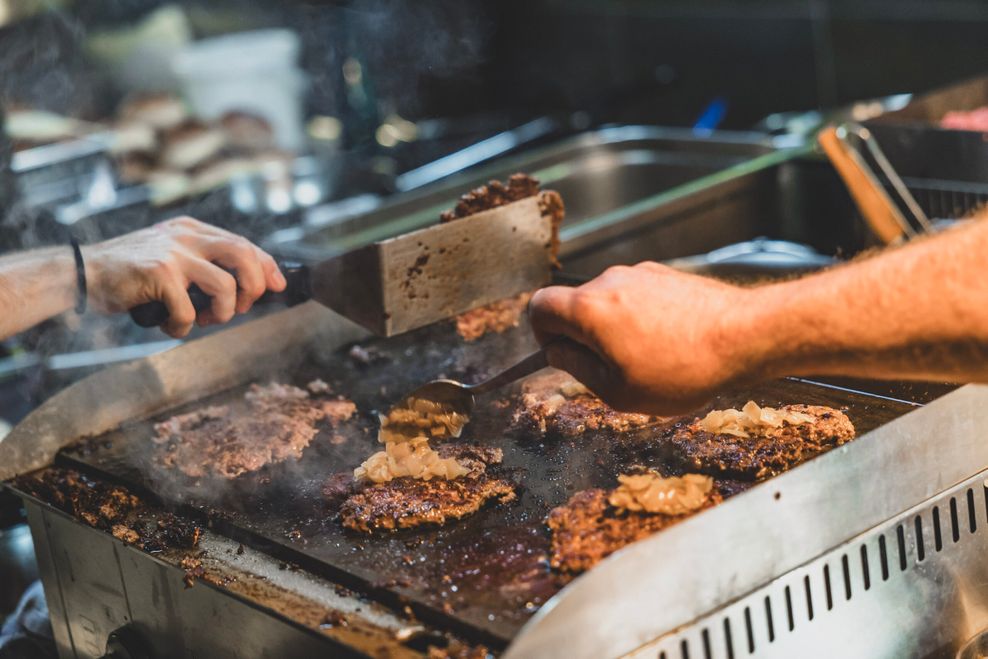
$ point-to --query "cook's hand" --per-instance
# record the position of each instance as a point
(161, 262)
(644, 338)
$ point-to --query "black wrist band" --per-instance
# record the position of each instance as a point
(80, 278)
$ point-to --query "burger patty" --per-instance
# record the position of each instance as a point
(279, 422)
(553, 403)
(406, 503)
(763, 454)
(587, 529)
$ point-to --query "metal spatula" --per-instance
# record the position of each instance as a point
(418, 278)
(462, 397)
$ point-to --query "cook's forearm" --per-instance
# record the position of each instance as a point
(35, 286)
(919, 312)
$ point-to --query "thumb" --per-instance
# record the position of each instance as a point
(582, 363)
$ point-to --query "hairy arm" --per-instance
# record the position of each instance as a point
(918, 312)
(35, 286)
(652, 339)
(157, 263)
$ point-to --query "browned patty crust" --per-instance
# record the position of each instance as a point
(767, 453)
(587, 529)
(406, 503)
(553, 403)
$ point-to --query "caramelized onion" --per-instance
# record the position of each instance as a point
(750, 419)
(651, 493)
(405, 433)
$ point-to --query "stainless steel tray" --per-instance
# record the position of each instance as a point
(606, 177)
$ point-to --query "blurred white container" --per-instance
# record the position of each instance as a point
(252, 72)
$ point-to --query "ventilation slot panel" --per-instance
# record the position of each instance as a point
(769, 616)
(920, 541)
(937, 536)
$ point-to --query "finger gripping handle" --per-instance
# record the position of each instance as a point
(297, 290)
(153, 314)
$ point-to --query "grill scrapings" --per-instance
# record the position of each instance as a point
(279, 422)
(497, 317)
(111, 508)
(505, 314)
(767, 453)
(587, 529)
(553, 403)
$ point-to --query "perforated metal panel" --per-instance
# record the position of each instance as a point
(914, 586)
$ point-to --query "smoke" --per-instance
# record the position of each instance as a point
(400, 45)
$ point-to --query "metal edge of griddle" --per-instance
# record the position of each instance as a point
(647, 590)
(138, 389)
(236, 565)
(912, 586)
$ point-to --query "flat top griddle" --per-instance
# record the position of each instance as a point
(482, 576)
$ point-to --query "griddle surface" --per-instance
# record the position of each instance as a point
(482, 576)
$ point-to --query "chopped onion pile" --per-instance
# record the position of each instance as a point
(405, 433)
(668, 496)
(751, 419)
(413, 458)
(421, 417)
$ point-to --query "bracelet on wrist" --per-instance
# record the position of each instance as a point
(82, 294)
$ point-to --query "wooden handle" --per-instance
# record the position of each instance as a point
(884, 218)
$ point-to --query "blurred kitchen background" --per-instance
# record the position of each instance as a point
(275, 118)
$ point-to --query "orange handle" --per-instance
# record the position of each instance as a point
(884, 218)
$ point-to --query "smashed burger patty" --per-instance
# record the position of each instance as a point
(502, 315)
(755, 443)
(553, 403)
(279, 422)
(404, 503)
(595, 523)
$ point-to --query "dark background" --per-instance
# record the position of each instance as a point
(496, 64)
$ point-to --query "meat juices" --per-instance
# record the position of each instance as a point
(553, 403)
(588, 527)
(767, 449)
(500, 316)
(279, 423)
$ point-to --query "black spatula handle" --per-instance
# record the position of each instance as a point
(153, 314)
